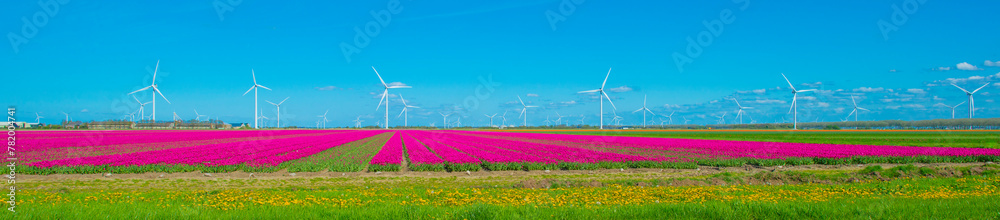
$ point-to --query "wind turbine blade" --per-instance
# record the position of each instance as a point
(270, 102)
(156, 69)
(140, 90)
(789, 82)
(864, 109)
(637, 110)
(264, 87)
(519, 100)
(981, 87)
(254, 76)
(963, 102)
(403, 100)
(161, 95)
(136, 99)
(609, 100)
(410, 106)
(852, 101)
(380, 100)
(852, 112)
(379, 77)
(522, 112)
(650, 112)
(147, 103)
(807, 90)
(400, 87)
(248, 90)
(963, 90)
(531, 106)
(283, 100)
(589, 91)
(401, 113)
(606, 78)
(792, 106)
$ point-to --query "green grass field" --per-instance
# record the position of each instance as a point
(980, 139)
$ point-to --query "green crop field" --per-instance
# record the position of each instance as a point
(979, 139)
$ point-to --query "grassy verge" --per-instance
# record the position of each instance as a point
(975, 196)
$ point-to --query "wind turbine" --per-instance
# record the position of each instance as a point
(323, 116)
(38, 118)
(524, 110)
(176, 117)
(445, 116)
(582, 117)
(405, 113)
(795, 106)
(155, 89)
(197, 116)
(385, 93)
(357, 122)
(952, 108)
(855, 112)
(558, 118)
(722, 119)
(279, 109)
(670, 118)
(264, 119)
(740, 112)
(142, 107)
(546, 121)
(67, 116)
(972, 103)
(254, 88)
(685, 120)
(491, 118)
(605, 95)
(504, 117)
(644, 112)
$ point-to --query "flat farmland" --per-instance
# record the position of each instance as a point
(474, 174)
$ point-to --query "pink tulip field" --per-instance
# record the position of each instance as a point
(431, 150)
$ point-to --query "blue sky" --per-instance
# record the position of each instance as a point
(85, 56)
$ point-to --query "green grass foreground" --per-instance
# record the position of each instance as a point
(914, 194)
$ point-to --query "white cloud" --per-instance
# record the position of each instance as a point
(913, 106)
(869, 89)
(326, 88)
(967, 66)
(815, 84)
(810, 98)
(892, 71)
(942, 68)
(397, 84)
(893, 107)
(620, 89)
(84, 110)
(759, 91)
(991, 63)
(769, 101)
(917, 91)
(532, 95)
(823, 104)
(996, 84)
